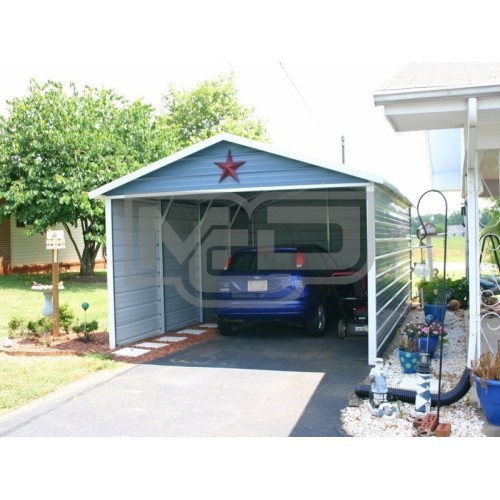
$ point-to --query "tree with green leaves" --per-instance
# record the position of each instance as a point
(56, 146)
(209, 109)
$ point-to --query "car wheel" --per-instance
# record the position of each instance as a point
(341, 328)
(228, 329)
(316, 326)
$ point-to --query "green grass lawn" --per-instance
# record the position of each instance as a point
(24, 379)
(18, 300)
(455, 248)
(27, 378)
(455, 255)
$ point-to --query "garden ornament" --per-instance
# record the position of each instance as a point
(378, 376)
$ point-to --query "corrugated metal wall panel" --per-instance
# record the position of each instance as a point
(214, 240)
(260, 170)
(334, 219)
(181, 265)
(392, 262)
(137, 283)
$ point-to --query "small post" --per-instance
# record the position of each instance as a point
(86, 336)
(54, 242)
(55, 293)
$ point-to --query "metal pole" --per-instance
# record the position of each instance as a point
(444, 287)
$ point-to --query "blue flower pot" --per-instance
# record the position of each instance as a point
(489, 399)
(428, 344)
(436, 310)
(408, 361)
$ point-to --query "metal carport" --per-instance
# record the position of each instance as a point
(172, 225)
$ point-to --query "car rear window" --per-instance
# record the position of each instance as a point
(281, 260)
(253, 262)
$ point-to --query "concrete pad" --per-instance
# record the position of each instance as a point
(192, 331)
(168, 338)
(131, 352)
(209, 325)
(151, 345)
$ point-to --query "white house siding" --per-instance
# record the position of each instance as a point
(31, 250)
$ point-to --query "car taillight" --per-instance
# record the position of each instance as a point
(228, 263)
(300, 259)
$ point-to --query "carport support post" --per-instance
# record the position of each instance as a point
(474, 344)
(55, 293)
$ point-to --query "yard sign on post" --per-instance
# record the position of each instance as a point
(55, 241)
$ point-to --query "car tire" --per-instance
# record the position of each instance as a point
(228, 329)
(316, 326)
(341, 328)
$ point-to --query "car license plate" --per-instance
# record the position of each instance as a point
(257, 286)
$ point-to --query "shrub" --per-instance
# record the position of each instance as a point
(16, 327)
(86, 329)
(459, 290)
(66, 317)
(42, 327)
(454, 289)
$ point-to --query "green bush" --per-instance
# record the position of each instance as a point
(86, 329)
(66, 317)
(459, 290)
(16, 327)
(432, 289)
(41, 328)
(454, 289)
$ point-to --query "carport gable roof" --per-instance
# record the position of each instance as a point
(266, 167)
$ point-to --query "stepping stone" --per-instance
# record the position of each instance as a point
(131, 352)
(171, 339)
(192, 331)
(209, 325)
(152, 345)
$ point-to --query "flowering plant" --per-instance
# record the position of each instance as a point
(433, 330)
(411, 331)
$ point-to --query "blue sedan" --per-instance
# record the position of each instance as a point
(290, 283)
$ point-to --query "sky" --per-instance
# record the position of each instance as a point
(310, 73)
(307, 106)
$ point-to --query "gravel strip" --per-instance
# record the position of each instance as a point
(464, 418)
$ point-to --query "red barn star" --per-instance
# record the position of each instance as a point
(229, 167)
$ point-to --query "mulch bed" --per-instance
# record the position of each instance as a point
(73, 345)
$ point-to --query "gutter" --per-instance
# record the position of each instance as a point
(406, 96)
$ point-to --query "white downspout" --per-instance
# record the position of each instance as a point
(474, 347)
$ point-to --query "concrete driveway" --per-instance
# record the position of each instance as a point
(268, 381)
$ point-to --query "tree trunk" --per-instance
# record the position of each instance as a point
(89, 254)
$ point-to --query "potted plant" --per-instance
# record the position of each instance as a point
(435, 296)
(409, 346)
(430, 336)
(486, 376)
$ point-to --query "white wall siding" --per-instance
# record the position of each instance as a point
(31, 250)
